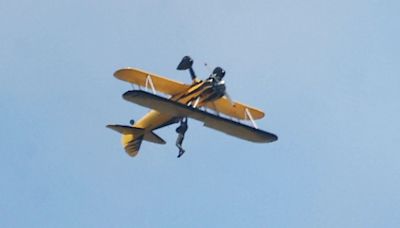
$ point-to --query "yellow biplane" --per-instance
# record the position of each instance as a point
(185, 101)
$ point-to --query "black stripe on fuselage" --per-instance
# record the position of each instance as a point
(204, 86)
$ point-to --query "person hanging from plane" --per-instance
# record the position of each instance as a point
(181, 130)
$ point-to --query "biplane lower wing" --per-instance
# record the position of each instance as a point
(219, 123)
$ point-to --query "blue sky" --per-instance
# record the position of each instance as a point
(325, 72)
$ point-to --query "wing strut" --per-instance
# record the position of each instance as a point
(247, 114)
(196, 102)
(150, 82)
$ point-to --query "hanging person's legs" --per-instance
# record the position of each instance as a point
(181, 130)
(179, 142)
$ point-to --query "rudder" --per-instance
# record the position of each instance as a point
(132, 138)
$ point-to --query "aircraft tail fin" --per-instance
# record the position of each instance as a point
(132, 137)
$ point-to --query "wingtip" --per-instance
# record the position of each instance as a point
(119, 74)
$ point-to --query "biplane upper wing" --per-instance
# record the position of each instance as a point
(141, 78)
(235, 109)
(219, 123)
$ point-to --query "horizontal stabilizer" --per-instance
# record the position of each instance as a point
(152, 137)
(126, 130)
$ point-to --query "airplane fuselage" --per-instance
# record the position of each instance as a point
(199, 94)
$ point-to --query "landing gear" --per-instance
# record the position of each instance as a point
(186, 64)
(132, 122)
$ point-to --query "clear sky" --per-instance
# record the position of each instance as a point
(325, 72)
